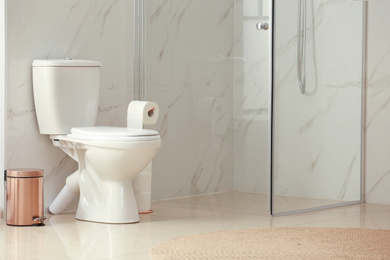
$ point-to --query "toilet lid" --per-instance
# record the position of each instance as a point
(112, 133)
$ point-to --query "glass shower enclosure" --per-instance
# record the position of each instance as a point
(316, 104)
(255, 96)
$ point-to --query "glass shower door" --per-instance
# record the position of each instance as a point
(316, 104)
(207, 66)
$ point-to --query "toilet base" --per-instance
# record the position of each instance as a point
(92, 221)
(113, 203)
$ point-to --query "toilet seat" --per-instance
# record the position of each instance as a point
(108, 137)
(118, 134)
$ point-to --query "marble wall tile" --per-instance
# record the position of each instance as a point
(251, 98)
(46, 29)
(189, 73)
(210, 81)
(178, 42)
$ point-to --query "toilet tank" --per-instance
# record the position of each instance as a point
(66, 94)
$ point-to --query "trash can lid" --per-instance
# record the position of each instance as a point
(24, 173)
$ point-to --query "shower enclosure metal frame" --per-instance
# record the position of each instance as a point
(271, 194)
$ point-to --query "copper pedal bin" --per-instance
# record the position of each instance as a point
(24, 197)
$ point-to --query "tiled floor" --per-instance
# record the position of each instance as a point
(66, 238)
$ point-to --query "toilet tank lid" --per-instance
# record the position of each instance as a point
(66, 63)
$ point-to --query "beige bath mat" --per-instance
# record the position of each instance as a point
(278, 243)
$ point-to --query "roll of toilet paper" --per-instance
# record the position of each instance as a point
(140, 113)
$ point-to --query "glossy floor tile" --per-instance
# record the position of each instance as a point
(63, 237)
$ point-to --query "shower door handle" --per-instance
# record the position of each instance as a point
(262, 26)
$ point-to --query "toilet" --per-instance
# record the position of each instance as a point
(66, 95)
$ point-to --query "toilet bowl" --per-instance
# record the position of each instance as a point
(66, 96)
(109, 158)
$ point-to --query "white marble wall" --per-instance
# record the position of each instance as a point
(251, 97)
(377, 146)
(190, 79)
(178, 43)
(377, 179)
(208, 70)
(189, 73)
(46, 29)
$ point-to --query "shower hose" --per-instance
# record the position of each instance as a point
(301, 46)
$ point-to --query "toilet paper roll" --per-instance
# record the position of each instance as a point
(140, 113)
